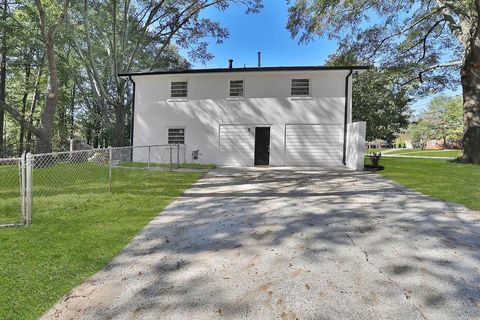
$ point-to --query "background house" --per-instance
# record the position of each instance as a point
(280, 116)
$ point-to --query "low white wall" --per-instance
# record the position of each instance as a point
(356, 133)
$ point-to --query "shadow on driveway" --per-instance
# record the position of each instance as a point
(288, 244)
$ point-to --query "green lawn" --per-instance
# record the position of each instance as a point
(375, 150)
(419, 152)
(429, 153)
(162, 165)
(445, 180)
(76, 233)
(438, 153)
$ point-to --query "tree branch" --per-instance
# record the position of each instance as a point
(179, 25)
(408, 28)
(88, 57)
(19, 118)
(424, 17)
(452, 24)
(424, 40)
(436, 66)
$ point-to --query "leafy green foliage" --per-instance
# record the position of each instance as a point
(419, 133)
(113, 37)
(446, 115)
(431, 45)
(376, 99)
(443, 119)
(410, 37)
(98, 40)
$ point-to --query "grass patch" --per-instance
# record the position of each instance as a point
(438, 153)
(428, 153)
(375, 150)
(448, 153)
(162, 165)
(75, 234)
(444, 180)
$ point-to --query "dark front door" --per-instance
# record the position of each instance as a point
(262, 146)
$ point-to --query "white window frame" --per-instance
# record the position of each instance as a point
(176, 127)
(188, 89)
(301, 95)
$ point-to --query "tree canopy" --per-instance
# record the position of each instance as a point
(432, 44)
(442, 120)
(383, 108)
(60, 60)
(376, 99)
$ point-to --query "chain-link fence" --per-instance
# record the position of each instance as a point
(29, 182)
(11, 191)
(158, 157)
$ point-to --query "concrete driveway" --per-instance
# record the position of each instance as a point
(292, 244)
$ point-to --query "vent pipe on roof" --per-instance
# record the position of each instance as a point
(230, 63)
(259, 59)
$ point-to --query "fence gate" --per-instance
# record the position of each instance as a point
(12, 191)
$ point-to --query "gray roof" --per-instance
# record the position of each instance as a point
(250, 69)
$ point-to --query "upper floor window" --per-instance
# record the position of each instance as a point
(300, 87)
(176, 135)
(236, 88)
(179, 89)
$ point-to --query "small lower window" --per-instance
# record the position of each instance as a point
(176, 135)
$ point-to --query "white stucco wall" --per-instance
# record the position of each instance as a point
(266, 102)
(356, 133)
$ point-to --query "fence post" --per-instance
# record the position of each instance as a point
(22, 187)
(184, 154)
(178, 156)
(28, 189)
(148, 164)
(110, 163)
(170, 157)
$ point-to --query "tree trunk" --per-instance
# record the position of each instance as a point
(28, 65)
(471, 106)
(72, 113)
(62, 128)
(96, 126)
(44, 141)
(33, 104)
(3, 77)
(88, 134)
(44, 138)
(119, 130)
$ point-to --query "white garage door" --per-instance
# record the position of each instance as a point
(313, 145)
(237, 145)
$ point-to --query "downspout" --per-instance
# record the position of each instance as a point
(345, 123)
(133, 111)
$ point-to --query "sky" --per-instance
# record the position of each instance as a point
(266, 32)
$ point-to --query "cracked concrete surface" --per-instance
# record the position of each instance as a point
(292, 244)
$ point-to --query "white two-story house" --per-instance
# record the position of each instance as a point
(277, 116)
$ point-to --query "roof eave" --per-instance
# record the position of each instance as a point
(262, 69)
